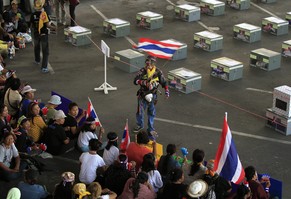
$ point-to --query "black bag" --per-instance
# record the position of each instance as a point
(33, 163)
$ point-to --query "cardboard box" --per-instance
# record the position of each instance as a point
(187, 12)
(77, 35)
(265, 59)
(212, 7)
(116, 27)
(149, 20)
(286, 48)
(247, 32)
(208, 41)
(226, 69)
(181, 53)
(275, 26)
(129, 60)
(239, 4)
(184, 80)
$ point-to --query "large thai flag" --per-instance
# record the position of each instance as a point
(155, 48)
(227, 163)
(125, 138)
(91, 112)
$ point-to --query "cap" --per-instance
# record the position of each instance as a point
(14, 2)
(27, 89)
(55, 99)
(59, 115)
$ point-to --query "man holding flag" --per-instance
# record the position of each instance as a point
(148, 78)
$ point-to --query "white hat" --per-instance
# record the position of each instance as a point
(55, 99)
(27, 89)
(197, 188)
(59, 115)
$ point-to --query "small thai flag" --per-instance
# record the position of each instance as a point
(227, 163)
(158, 49)
(125, 138)
(91, 112)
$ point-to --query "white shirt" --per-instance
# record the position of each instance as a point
(6, 155)
(89, 165)
(109, 156)
(155, 179)
(85, 137)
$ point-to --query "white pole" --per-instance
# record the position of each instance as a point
(226, 116)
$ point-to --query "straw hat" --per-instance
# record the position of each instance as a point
(197, 189)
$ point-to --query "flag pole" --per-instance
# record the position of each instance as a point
(94, 111)
(226, 116)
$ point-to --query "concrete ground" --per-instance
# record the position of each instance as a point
(189, 120)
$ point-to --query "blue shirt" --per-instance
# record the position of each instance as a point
(32, 191)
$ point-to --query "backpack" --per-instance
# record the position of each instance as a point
(210, 180)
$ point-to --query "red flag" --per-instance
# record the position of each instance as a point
(125, 138)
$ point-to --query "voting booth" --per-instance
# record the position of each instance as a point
(77, 35)
(187, 12)
(149, 20)
(226, 69)
(265, 59)
(208, 41)
(275, 26)
(116, 27)
(247, 32)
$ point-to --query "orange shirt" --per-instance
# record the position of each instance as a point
(135, 152)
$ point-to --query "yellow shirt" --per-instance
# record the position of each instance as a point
(36, 128)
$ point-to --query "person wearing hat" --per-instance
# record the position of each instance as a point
(23, 141)
(13, 193)
(53, 103)
(29, 188)
(18, 17)
(28, 96)
(55, 137)
(63, 190)
(80, 191)
(111, 150)
(39, 24)
(148, 78)
(197, 189)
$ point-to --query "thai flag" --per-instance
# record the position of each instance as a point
(125, 138)
(155, 48)
(91, 112)
(227, 163)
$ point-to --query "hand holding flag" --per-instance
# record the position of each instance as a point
(125, 138)
(91, 112)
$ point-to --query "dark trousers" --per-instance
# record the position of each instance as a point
(41, 41)
(72, 14)
(8, 176)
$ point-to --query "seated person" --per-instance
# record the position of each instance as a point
(29, 188)
(80, 192)
(18, 17)
(37, 124)
(90, 162)
(88, 132)
(53, 103)
(22, 139)
(55, 137)
(10, 165)
(63, 190)
(98, 193)
(72, 120)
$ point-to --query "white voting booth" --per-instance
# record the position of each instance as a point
(105, 86)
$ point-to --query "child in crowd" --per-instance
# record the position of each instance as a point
(64, 190)
(111, 150)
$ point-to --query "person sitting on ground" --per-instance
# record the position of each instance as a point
(148, 166)
(23, 141)
(220, 186)
(117, 174)
(88, 132)
(37, 124)
(138, 187)
(136, 150)
(14, 193)
(63, 190)
(29, 188)
(80, 191)
(12, 100)
(72, 120)
(90, 162)
(55, 137)
(18, 17)
(28, 96)
(98, 193)
(111, 150)
(167, 163)
(10, 170)
(53, 103)
(175, 188)
(257, 189)
(3, 119)
(197, 169)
